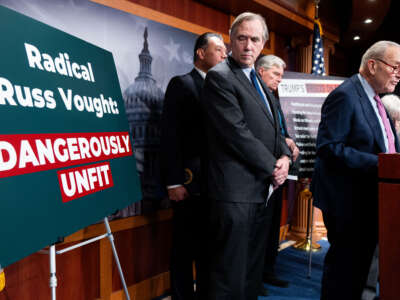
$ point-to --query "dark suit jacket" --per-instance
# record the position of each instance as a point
(182, 132)
(349, 138)
(279, 108)
(243, 139)
(294, 169)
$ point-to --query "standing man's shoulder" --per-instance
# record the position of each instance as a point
(350, 83)
(179, 80)
(180, 86)
(220, 82)
(220, 75)
(349, 86)
(220, 69)
(348, 91)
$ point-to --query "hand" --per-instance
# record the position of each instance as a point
(281, 170)
(275, 184)
(178, 193)
(293, 148)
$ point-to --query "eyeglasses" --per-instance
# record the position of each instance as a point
(394, 69)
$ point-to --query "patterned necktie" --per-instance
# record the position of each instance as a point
(254, 80)
(386, 124)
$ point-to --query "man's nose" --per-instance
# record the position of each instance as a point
(247, 44)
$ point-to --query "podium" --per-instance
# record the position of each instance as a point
(389, 226)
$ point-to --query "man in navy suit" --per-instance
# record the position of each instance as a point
(271, 69)
(181, 143)
(354, 128)
(246, 158)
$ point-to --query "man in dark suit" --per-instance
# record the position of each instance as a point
(246, 158)
(181, 142)
(271, 68)
(354, 128)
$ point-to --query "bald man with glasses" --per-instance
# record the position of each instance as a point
(354, 128)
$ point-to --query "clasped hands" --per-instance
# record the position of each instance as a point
(281, 171)
(279, 176)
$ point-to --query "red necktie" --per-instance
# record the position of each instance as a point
(386, 123)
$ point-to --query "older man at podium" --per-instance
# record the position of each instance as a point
(354, 128)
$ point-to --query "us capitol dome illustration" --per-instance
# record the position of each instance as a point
(143, 103)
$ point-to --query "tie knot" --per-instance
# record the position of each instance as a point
(377, 98)
(253, 73)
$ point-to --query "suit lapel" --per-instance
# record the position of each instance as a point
(369, 113)
(250, 88)
(270, 99)
(197, 81)
(280, 111)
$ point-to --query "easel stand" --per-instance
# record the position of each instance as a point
(53, 252)
(307, 244)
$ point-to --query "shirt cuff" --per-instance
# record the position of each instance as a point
(173, 186)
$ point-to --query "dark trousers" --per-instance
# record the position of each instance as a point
(272, 244)
(370, 290)
(237, 247)
(347, 262)
(187, 246)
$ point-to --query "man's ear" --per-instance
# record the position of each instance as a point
(200, 53)
(261, 71)
(372, 65)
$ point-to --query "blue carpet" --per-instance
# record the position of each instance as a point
(292, 265)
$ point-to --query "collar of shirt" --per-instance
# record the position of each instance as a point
(367, 87)
(246, 72)
(371, 94)
(202, 73)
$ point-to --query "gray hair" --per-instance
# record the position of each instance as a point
(249, 16)
(392, 105)
(376, 51)
(268, 61)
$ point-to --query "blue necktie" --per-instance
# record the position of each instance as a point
(281, 123)
(254, 80)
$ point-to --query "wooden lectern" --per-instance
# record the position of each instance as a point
(389, 226)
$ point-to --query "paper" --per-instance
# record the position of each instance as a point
(271, 189)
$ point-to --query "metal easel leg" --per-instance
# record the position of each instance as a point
(121, 275)
(310, 252)
(52, 257)
(307, 244)
(53, 277)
